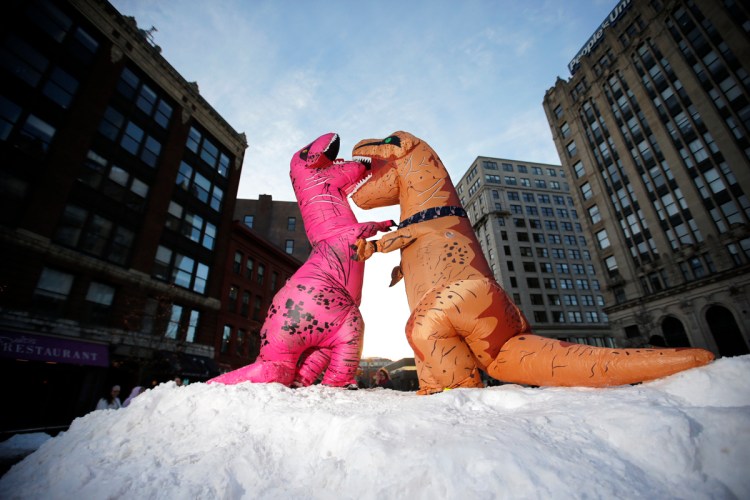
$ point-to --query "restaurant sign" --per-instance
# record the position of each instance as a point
(17, 345)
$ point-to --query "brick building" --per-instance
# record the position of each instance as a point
(117, 190)
(255, 271)
(279, 222)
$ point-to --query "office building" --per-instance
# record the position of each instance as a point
(117, 189)
(530, 233)
(653, 130)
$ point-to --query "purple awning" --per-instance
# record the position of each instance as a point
(17, 345)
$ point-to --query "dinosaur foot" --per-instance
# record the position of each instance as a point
(258, 372)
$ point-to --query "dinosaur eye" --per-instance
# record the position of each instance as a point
(393, 140)
(303, 153)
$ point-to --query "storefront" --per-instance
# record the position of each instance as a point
(49, 381)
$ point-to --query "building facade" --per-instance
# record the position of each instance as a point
(256, 270)
(526, 221)
(117, 189)
(653, 128)
(279, 222)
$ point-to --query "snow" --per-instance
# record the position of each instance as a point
(20, 445)
(686, 436)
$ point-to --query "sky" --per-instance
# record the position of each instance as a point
(467, 76)
(683, 437)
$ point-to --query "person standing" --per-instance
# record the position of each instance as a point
(135, 392)
(111, 401)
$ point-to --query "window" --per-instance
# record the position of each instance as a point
(261, 273)
(291, 224)
(116, 182)
(99, 298)
(93, 234)
(594, 214)
(237, 264)
(9, 114)
(225, 339)
(199, 186)
(249, 268)
(603, 239)
(571, 147)
(611, 264)
(52, 291)
(180, 269)
(61, 87)
(232, 299)
(241, 342)
(257, 307)
(575, 317)
(192, 326)
(39, 132)
(540, 317)
(145, 98)
(249, 219)
(565, 130)
(208, 152)
(196, 229)
(23, 61)
(579, 170)
(245, 304)
(289, 247)
(586, 191)
(183, 321)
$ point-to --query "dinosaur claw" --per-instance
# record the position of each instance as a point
(396, 275)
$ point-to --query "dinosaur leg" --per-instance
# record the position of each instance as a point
(346, 351)
(443, 359)
(534, 360)
(311, 365)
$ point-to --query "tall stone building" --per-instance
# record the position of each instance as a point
(530, 231)
(117, 190)
(653, 128)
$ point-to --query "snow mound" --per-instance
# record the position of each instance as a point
(686, 436)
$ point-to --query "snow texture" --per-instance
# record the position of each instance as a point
(686, 436)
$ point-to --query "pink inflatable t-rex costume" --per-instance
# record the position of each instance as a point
(314, 321)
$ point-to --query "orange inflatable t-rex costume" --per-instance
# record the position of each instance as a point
(461, 320)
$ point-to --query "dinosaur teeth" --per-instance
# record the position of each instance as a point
(359, 184)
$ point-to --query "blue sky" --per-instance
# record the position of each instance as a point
(467, 76)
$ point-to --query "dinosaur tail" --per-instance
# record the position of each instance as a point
(258, 372)
(534, 360)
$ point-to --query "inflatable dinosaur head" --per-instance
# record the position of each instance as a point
(316, 171)
(405, 171)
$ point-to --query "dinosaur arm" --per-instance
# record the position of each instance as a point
(396, 240)
(369, 229)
